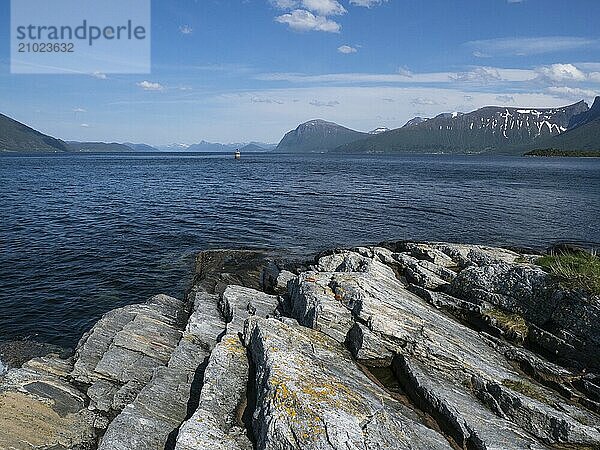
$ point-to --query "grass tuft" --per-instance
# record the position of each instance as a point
(511, 323)
(577, 270)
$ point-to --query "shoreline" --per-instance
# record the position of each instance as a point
(418, 336)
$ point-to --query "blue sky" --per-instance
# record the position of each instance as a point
(242, 70)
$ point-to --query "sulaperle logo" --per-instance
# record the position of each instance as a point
(80, 37)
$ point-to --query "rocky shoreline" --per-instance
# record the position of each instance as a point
(402, 345)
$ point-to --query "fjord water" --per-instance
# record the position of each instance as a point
(83, 234)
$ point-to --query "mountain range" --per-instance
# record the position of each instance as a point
(491, 130)
(488, 130)
(20, 138)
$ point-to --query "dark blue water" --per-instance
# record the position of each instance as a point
(83, 234)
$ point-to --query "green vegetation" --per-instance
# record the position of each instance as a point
(527, 389)
(510, 323)
(577, 270)
(556, 152)
(17, 137)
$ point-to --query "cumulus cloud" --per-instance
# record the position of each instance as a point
(99, 75)
(324, 7)
(561, 73)
(301, 20)
(150, 86)
(347, 49)
(79, 110)
(84, 125)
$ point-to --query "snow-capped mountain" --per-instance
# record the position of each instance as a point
(379, 130)
(176, 147)
(489, 129)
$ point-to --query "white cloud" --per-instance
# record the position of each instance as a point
(528, 46)
(366, 3)
(571, 93)
(84, 125)
(504, 99)
(149, 86)
(79, 110)
(301, 20)
(266, 100)
(561, 73)
(347, 49)
(99, 75)
(329, 104)
(319, 7)
(324, 7)
(483, 75)
(422, 101)
(186, 29)
(405, 72)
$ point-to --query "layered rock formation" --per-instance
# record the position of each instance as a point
(405, 345)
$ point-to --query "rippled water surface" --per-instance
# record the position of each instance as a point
(83, 234)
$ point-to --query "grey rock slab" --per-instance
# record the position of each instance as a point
(423, 273)
(314, 304)
(394, 320)
(159, 312)
(119, 355)
(152, 418)
(217, 423)
(458, 410)
(311, 395)
(466, 255)
(426, 252)
(238, 303)
(51, 364)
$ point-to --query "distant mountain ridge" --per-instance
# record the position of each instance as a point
(97, 147)
(317, 136)
(491, 129)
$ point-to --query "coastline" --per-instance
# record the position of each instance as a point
(434, 333)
